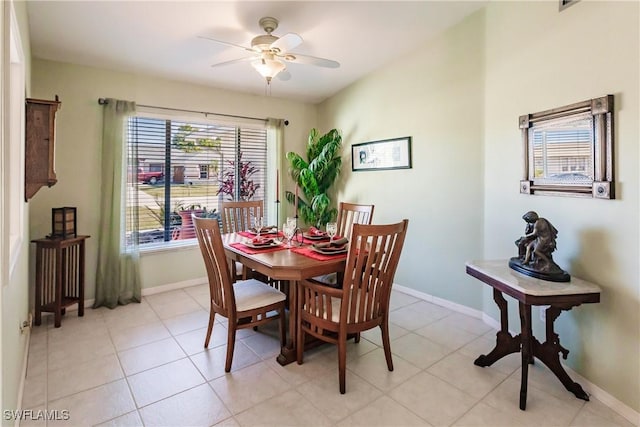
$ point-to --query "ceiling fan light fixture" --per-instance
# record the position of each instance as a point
(268, 68)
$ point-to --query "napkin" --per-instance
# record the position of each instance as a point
(261, 241)
(336, 244)
(315, 232)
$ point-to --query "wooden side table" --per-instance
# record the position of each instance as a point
(59, 276)
(530, 291)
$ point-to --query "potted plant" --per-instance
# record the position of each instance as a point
(315, 176)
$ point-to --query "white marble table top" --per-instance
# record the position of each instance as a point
(500, 271)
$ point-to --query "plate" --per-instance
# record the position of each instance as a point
(249, 244)
(311, 237)
(330, 251)
(272, 230)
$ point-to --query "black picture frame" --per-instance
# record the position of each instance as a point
(385, 154)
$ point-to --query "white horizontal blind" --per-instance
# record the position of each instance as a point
(180, 168)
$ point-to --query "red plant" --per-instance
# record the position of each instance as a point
(227, 182)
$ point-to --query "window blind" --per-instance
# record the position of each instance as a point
(179, 168)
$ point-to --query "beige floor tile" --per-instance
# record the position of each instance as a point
(229, 422)
(37, 360)
(446, 335)
(418, 350)
(375, 336)
(131, 419)
(211, 362)
(200, 294)
(459, 371)
(96, 405)
(542, 408)
(434, 400)
(193, 342)
(596, 414)
(75, 378)
(287, 409)
(409, 319)
(324, 393)
(431, 310)
(373, 368)
(315, 365)
(158, 383)
(354, 350)
(172, 304)
(383, 412)
(398, 299)
(467, 323)
(265, 346)
(242, 389)
(485, 415)
(198, 406)
(187, 322)
(35, 391)
(124, 339)
(148, 356)
(129, 316)
(74, 352)
(544, 379)
(31, 418)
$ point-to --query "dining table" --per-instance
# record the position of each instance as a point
(284, 263)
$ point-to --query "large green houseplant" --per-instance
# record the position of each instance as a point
(315, 176)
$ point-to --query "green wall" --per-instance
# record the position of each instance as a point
(459, 97)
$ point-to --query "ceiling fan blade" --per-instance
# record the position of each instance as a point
(311, 60)
(234, 61)
(226, 43)
(287, 42)
(284, 75)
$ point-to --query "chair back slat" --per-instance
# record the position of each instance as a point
(351, 213)
(212, 249)
(238, 216)
(372, 261)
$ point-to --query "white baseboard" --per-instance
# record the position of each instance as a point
(621, 408)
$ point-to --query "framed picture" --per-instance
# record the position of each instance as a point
(378, 155)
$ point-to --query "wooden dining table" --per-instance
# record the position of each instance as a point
(283, 265)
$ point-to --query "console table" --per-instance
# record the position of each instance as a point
(59, 276)
(531, 291)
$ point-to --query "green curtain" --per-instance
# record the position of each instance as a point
(118, 270)
(275, 154)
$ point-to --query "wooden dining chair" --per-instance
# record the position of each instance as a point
(238, 216)
(362, 303)
(348, 214)
(246, 303)
(351, 213)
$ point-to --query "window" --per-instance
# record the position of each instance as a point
(204, 171)
(188, 168)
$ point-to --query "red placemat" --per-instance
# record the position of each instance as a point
(253, 251)
(252, 235)
(307, 251)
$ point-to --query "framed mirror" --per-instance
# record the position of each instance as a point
(569, 150)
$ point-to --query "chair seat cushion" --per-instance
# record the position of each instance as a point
(251, 294)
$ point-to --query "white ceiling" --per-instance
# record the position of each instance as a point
(161, 38)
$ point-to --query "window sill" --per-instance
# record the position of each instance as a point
(177, 245)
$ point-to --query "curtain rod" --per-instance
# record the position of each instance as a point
(104, 101)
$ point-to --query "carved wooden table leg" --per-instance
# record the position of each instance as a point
(549, 354)
(527, 357)
(505, 342)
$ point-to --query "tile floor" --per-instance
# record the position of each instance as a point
(144, 364)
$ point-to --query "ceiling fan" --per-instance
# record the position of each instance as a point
(271, 53)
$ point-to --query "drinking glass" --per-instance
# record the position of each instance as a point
(332, 229)
(259, 224)
(288, 229)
